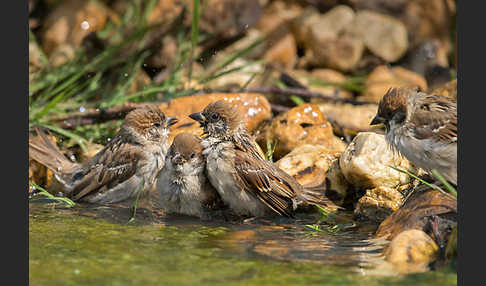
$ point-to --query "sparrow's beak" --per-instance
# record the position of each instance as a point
(198, 117)
(171, 121)
(177, 159)
(377, 120)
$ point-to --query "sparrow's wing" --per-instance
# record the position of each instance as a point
(111, 167)
(436, 117)
(271, 185)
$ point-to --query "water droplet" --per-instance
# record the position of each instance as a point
(314, 113)
(252, 111)
(85, 25)
(82, 109)
(109, 139)
(307, 109)
(125, 75)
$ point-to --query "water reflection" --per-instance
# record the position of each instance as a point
(75, 242)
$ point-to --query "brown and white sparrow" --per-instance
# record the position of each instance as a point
(182, 185)
(246, 182)
(422, 127)
(128, 163)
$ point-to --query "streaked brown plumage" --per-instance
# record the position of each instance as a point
(129, 161)
(249, 184)
(422, 127)
(182, 184)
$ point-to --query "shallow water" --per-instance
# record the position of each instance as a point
(96, 246)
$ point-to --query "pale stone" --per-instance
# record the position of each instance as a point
(378, 203)
(304, 124)
(308, 164)
(412, 251)
(366, 163)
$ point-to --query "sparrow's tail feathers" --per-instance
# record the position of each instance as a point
(316, 196)
(44, 151)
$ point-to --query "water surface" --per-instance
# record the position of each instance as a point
(96, 246)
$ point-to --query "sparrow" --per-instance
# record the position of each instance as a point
(248, 183)
(422, 127)
(182, 185)
(128, 164)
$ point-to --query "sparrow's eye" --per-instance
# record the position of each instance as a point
(193, 155)
(425, 107)
(157, 124)
(215, 116)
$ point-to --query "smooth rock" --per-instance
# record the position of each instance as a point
(429, 19)
(383, 35)
(277, 13)
(417, 211)
(423, 19)
(304, 124)
(333, 22)
(337, 188)
(301, 24)
(280, 45)
(347, 118)
(225, 19)
(341, 53)
(378, 203)
(70, 22)
(383, 78)
(308, 164)
(281, 48)
(411, 251)
(254, 109)
(366, 163)
(329, 46)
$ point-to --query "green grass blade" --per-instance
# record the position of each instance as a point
(444, 181)
(135, 204)
(231, 58)
(433, 186)
(223, 73)
(270, 150)
(44, 192)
